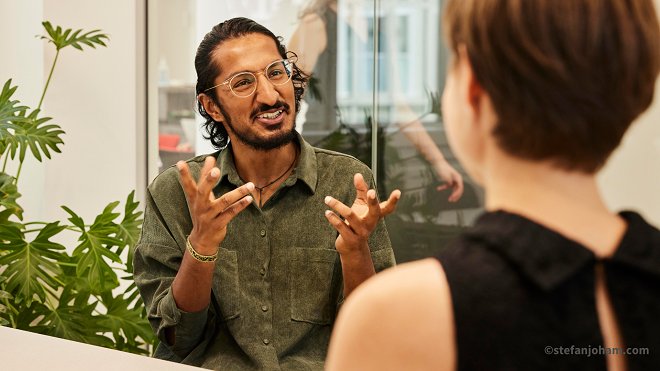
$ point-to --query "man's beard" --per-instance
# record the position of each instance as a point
(263, 144)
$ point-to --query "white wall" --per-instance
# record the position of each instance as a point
(24, 66)
(93, 96)
(631, 179)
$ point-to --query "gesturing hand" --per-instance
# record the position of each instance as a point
(360, 219)
(451, 177)
(210, 215)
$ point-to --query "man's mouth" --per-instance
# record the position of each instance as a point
(271, 115)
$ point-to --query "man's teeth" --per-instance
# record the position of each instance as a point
(271, 115)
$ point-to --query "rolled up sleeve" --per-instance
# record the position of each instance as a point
(157, 260)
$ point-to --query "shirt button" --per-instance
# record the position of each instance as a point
(262, 271)
(263, 233)
(264, 308)
(266, 341)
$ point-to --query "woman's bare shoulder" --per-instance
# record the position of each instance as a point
(400, 318)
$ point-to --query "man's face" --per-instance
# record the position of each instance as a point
(266, 119)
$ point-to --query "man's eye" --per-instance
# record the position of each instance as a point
(275, 72)
(242, 83)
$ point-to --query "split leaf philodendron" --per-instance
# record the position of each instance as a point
(71, 293)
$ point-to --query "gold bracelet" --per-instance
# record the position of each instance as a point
(199, 257)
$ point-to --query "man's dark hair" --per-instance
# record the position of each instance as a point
(207, 70)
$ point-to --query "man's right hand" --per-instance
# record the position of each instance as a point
(210, 215)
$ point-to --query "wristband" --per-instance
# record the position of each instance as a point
(199, 257)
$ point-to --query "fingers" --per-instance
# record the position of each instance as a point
(208, 178)
(456, 193)
(338, 224)
(388, 207)
(458, 187)
(360, 186)
(442, 187)
(230, 198)
(187, 182)
(343, 210)
(374, 208)
(236, 207)
(208, 175)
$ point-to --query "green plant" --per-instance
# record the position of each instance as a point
(43, 288)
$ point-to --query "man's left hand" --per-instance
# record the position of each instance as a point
(360, 219)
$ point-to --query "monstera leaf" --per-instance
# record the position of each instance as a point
(33, 134)
(129, 228)
(74, 322)
(127, 324)
(96, 243)
(63, 38)
(11, 112)
(8, 195)
(42, 288)
(30, 266)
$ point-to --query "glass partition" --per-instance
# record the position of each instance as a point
(377, 73)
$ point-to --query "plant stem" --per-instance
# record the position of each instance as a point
(68, 227)
(4, 165)
(18, 173)
(11, 309)
(30, 223)
(43, 95)
(52, 68)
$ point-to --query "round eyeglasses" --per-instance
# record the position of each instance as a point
(244, 84)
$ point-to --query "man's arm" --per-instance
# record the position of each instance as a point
(176, 287)
(355, 227)
(192, 286)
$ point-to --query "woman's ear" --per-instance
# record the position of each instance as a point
(477, 97)
(474, 90)
(210, 107)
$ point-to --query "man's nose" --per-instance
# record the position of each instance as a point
(266, 92)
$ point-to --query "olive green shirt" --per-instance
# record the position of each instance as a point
(277, 284)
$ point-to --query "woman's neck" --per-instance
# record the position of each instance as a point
(567, 202)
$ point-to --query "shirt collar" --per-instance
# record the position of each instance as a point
(542, 255)
(548, 258)
(306, 169)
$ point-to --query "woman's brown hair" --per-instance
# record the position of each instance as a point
(566, 77)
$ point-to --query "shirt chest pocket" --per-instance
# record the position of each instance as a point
(314, 284)
(226, 289)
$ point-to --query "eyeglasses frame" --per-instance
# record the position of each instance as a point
(291, 60)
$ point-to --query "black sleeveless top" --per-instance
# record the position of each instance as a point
(523, 296)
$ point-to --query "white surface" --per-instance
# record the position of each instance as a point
(26, 351)
(24, 65)
(93, 96)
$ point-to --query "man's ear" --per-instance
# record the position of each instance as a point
(210, 107)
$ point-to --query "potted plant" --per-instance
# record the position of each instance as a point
(44, 288)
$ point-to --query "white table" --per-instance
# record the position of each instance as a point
(22, 350)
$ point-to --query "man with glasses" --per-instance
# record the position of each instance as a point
(240, 263)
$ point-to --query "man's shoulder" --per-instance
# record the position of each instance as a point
(329, 158)
(169, 177)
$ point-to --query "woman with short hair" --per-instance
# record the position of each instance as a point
(538, 95)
